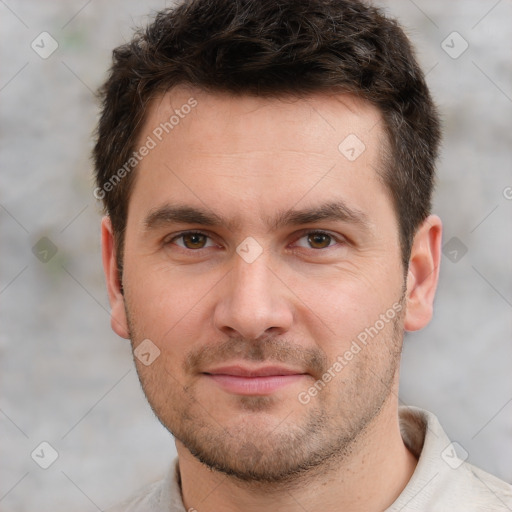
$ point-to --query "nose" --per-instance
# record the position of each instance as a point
(253, 301)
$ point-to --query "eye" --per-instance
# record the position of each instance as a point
(191, 240)
(195, 240)
(319, 240)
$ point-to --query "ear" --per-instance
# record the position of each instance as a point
(423, 273)
(118, 319)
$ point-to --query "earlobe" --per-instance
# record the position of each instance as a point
(423, 273)
(118, 318)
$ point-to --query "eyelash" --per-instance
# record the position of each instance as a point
(302, 235)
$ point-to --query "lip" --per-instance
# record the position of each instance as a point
(244, 371)
(253, 381)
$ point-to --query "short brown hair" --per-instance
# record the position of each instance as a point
(274, 48)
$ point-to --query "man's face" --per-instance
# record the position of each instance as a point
(254, 291)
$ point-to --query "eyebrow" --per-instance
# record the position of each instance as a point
(179, 213)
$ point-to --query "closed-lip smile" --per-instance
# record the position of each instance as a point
(243, 380)
(264, 371)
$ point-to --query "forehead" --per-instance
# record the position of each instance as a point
(222, 150)
(308, 116)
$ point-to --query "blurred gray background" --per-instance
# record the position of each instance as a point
(66, 379)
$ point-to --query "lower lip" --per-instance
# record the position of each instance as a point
(254, 385)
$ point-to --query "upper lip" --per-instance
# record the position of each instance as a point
(243, 371)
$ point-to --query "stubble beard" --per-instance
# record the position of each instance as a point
(285, 453)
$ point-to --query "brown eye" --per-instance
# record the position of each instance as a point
(319, 240)
(191, 240)
(194, 240)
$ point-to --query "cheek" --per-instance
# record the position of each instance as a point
(169, 308)
(346, 303)
(162, 296)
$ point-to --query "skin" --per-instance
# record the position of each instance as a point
(301, 303)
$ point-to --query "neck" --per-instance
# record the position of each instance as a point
(370, 477)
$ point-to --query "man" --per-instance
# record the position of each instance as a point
(267, 170)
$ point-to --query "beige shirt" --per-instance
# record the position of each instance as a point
(441, 482)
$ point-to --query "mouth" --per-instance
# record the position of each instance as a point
(261, 381)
